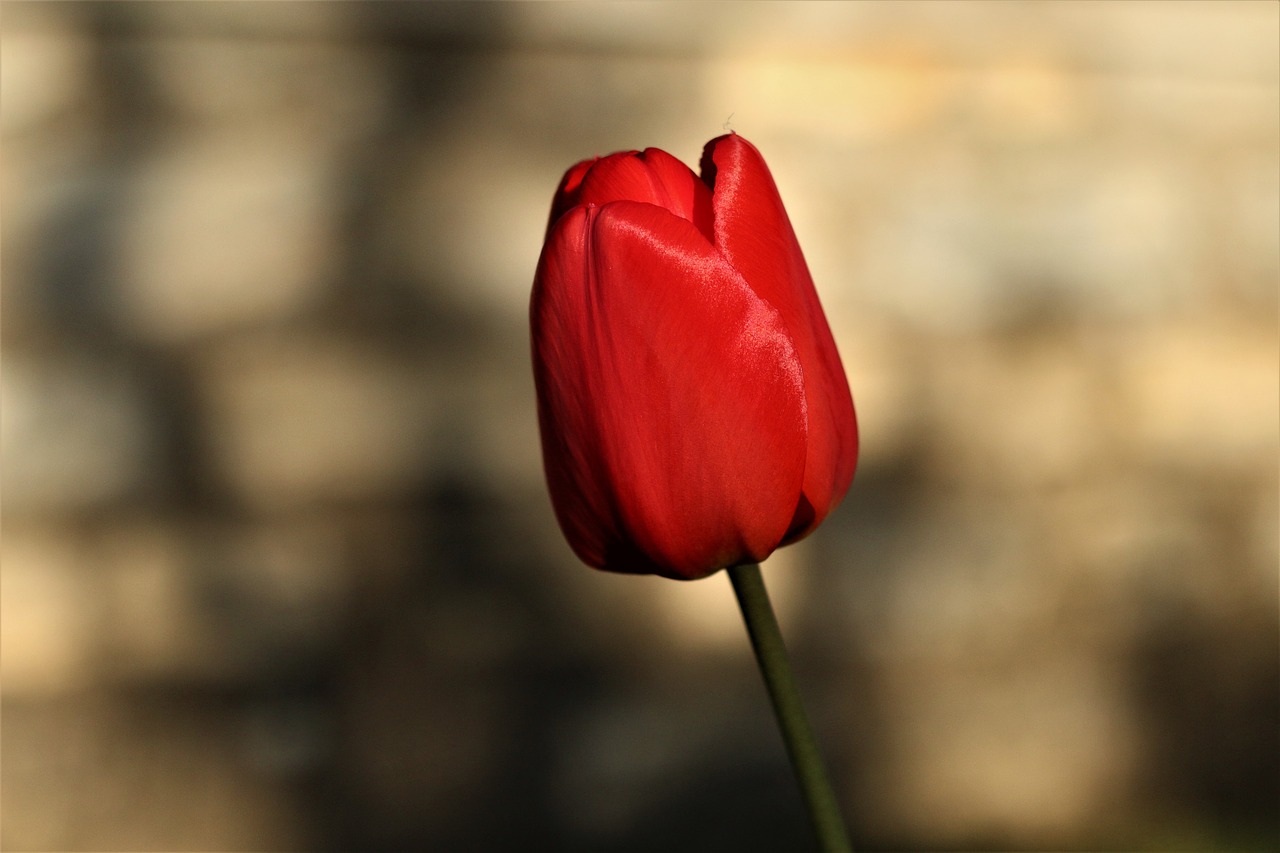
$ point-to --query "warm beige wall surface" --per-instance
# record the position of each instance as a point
(279, 570)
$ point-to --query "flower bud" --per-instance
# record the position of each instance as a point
(693, 409)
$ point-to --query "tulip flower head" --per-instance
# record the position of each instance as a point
(693, 409)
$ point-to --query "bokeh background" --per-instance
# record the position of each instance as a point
(279, 570)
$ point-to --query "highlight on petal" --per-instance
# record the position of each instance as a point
(671, 396)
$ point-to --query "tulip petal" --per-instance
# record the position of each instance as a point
(652, 176)
(754, 234)
(670, 396)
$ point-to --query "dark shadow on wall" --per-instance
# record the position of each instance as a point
(1208, 695)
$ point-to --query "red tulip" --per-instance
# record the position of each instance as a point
(693, 408)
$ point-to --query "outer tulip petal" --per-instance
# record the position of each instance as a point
(753, 233)
(671, 398)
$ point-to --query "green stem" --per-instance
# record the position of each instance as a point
(771, 655)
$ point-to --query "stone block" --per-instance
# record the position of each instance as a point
(225, 231)
(50, 611)
(1203, 397)
(311, 420)
(76, 434)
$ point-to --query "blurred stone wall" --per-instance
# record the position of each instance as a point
(279, 571)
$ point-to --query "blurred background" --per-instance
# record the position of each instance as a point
(279, 569)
